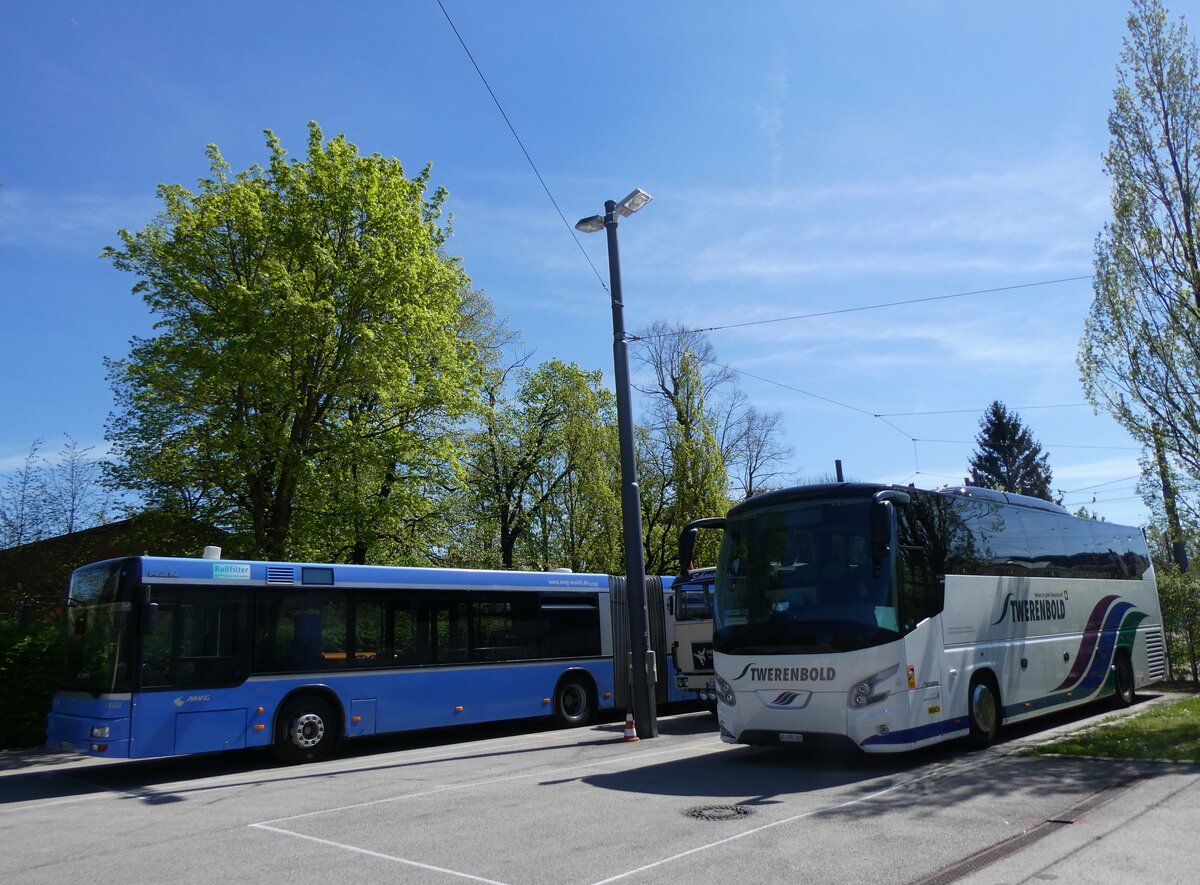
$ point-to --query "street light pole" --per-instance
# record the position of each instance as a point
(645, 714)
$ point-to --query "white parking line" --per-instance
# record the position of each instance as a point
(771, 825)
(483, 783)
(378, 854)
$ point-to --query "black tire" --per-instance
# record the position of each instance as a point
(1124, 689)
(306, 730)
(983, 711)
(573, 704)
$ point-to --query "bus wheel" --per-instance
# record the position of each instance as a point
(572, 703)
(306, 730)
(1124, 692)
(983, 709)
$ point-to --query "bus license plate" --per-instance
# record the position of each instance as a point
(786, 737)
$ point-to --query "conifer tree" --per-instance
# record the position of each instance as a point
(1009, 459)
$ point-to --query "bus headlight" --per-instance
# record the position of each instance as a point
(725, 693)
(100, 731)
(871, 690)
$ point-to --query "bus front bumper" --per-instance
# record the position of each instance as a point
(813, 718)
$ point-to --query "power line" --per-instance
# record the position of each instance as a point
(1101, 485)
(521, 145)
(794, 389)
(976, 411)
(825, 313)
(971, 442)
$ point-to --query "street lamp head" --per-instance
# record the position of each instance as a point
(633, 202)
(590, 225)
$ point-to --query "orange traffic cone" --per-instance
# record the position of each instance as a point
(630, 734)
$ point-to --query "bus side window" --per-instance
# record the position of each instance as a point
(921, 591)
(450, 626)
(369, 632)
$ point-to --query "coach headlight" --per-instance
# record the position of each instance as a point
(725, 693)
(872, 689)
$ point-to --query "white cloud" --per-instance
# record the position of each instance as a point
(35, 220)
(1034, 218)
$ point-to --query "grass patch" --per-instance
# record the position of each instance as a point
(1171, 731)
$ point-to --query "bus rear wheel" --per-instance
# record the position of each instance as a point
(306, 730)
(983, 710)
(573, 703)
(1124, 691)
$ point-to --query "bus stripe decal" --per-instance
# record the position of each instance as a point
(1091, 634)
(913, 735)
(1101, 663)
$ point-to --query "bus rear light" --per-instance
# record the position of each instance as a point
(100, 731)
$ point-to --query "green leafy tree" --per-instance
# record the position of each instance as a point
(540, 483)
(681, 467)
(31, 664)
(580, 526)
(310, 336)
(1008, 458)
(1139, 356)
(1179, 600)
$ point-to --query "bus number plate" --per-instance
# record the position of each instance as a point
(787, 737)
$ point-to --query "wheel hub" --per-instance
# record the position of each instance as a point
(307, 730)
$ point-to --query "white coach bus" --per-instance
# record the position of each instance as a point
(894, 618)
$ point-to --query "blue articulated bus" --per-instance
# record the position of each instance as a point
(170, 656)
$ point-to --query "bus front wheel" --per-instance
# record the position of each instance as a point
(573, 703)
(306, 730)
(1124, 692)
(983, 710)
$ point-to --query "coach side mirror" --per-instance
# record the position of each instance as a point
(881, 522)
(881, 531)
(687, 541)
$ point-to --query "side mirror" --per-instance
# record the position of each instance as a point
(687, 540)
(881, 523)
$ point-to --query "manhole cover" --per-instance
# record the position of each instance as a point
(719, 812)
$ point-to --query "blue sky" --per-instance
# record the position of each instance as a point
(803, 158)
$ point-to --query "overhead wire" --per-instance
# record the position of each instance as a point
(841, 310)
(880, 416)
(521, 145)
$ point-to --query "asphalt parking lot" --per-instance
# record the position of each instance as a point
(585, 806)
